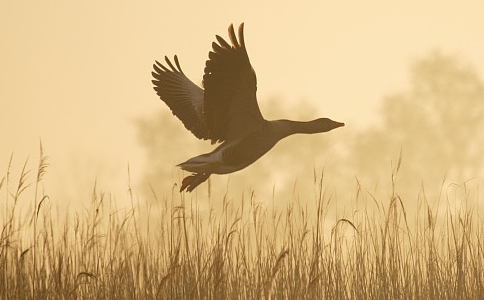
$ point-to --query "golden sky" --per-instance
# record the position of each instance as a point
(77, 73)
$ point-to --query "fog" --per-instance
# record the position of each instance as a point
(427, 141)
(76, 76)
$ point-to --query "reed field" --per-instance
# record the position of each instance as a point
(171, 247)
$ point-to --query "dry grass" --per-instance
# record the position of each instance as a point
(243, 251)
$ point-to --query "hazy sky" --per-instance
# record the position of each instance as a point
(76, 74)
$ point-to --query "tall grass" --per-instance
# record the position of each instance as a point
(175, 249)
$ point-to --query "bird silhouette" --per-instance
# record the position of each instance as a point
(225, 111)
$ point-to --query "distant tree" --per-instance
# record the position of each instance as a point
(438, 123)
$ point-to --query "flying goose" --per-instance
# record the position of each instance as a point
(225, 111)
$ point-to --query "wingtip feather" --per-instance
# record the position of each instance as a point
(233, 37)
(241, 35)
(222, 42)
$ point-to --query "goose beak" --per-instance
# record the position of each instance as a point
(338, 124)
(330, 124)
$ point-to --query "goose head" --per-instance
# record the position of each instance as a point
(288, 127)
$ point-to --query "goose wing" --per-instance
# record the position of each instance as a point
(183, 97)
(230, 108)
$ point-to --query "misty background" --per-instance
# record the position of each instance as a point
(433, 129)
(406, 78)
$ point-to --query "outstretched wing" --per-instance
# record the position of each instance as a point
(230, 105)
(183, 97)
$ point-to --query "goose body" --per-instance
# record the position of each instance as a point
(225, 111)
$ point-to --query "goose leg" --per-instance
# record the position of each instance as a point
(191, 182)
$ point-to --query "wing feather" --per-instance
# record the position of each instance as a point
(230, 105)
(183, 97)
(227, 109)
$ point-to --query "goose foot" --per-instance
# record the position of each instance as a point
(191, 182)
